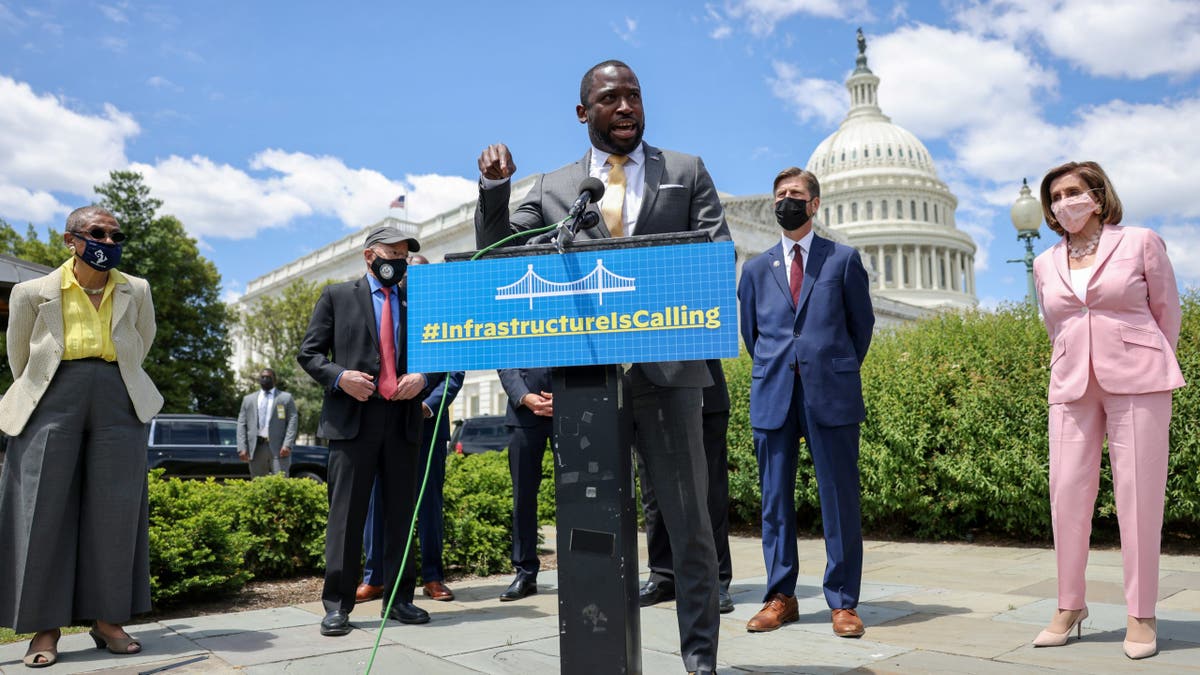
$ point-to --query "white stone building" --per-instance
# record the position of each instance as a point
(879, 192)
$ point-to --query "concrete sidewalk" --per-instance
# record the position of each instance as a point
(943, 608)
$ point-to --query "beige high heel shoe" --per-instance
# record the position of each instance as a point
(1142, 650)
(1049, 639)
(48, 656)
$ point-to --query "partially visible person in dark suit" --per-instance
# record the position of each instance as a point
(74, 515)
(430, 513)
(806, 319)
(530, 421)
(266, 428)
(660, 587)
(356, 349)
(647, 191)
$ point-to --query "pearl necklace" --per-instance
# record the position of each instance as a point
(1083, 251)
(92, 291)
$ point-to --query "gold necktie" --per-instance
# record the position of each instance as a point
(614, 196)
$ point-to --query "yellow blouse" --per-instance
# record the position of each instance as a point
(87, 332)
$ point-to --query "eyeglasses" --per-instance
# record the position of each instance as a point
(100, 234)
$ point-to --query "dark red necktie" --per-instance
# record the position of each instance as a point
(387, 348)
(796, 274)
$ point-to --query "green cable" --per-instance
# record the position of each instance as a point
(412, 526)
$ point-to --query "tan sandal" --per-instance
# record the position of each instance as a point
(49, 656)
(115, 645)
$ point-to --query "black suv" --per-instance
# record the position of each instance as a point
(479, 434)
(198, 446)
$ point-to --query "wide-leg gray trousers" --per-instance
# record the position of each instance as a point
(74, 542)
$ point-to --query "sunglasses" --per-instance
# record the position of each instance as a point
(99, 234)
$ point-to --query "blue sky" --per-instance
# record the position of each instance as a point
(272, 128)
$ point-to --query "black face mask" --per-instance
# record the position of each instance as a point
(791, 213)
(267, 383)
(389, 271)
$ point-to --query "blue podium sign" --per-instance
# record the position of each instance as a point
(659, 303)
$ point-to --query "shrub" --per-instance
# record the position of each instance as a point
(194, 550)
(955, 440)
(285, 518)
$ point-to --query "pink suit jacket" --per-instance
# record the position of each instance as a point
(1127, 329)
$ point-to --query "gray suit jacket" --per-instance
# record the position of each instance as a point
(680, 197)
(281, 432)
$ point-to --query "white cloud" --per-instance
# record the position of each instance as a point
(47, 147)
(218, 200)
(762, 15)
(626, 30)
(160, 82)
(113, 44)
(1114, 38)
(935, 81)
(115, 13)
(19, 205)
(1183, 248)
(10, 20)
(811, 98)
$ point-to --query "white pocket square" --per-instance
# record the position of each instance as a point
(668, 186)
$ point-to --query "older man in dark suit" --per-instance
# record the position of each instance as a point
(647, 191)
(356, 349)
(806, 318)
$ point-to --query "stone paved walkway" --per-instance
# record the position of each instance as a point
(928, 608)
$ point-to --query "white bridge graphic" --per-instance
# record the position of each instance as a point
(599, 281)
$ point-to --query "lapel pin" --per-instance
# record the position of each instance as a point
(776, 263)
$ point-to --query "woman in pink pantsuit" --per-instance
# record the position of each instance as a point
(1111, 306)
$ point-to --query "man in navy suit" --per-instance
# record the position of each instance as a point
(806, 318)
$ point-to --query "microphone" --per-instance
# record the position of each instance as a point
(590, 190)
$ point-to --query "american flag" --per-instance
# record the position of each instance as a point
(397, 203)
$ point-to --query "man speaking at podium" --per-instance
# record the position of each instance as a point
(647, 191)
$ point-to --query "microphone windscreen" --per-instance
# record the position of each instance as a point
(592, 186)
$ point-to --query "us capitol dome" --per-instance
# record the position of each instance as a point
(880, 189)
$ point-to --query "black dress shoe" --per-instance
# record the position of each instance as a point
(335, 623)
(521, 587)
(654, 592)
(725, 601)
(406, 612)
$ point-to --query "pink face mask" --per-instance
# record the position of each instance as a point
(1073, 212)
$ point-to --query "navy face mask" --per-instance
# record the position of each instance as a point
(100, 256)
(389, 271)
(791, 214)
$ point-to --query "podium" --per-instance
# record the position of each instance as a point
(598, 611)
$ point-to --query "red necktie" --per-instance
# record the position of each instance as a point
(796, 274)
(387, 348)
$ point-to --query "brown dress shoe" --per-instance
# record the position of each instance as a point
(438, 591)
(367, 592)
(847, 624)
(780, 609)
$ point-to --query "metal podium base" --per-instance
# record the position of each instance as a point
(599, 626)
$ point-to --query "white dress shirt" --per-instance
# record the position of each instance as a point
(805, 245)
(635, 183)
(264, 412)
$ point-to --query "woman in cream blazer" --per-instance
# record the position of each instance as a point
(1111, 307)
(73, 503)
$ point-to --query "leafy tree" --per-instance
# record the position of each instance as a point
(51, 252)
(273, 328)
(189, 361)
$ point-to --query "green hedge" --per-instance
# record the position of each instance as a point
(209, 538)
(955, 441)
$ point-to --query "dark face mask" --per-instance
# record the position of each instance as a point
(100, 256)
(389, 271)
(267, 383)
(791, 213)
